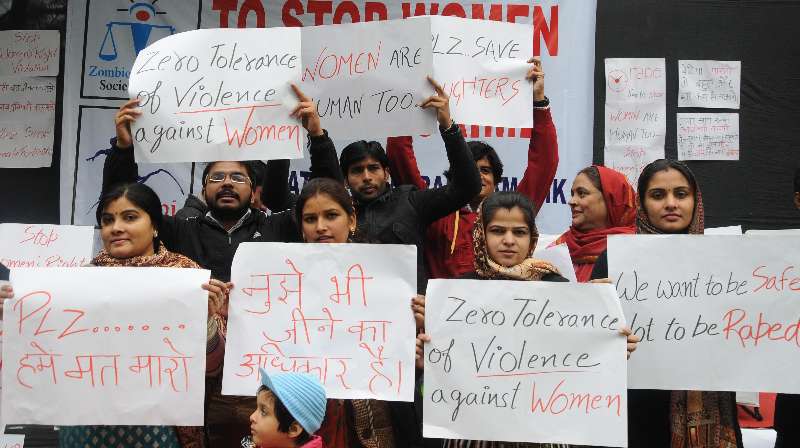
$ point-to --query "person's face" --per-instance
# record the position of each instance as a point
(325, 221)
(226, 194)
(508, 238)
(264, 424)
(487, 178)
(126, 230)
(669, 201)
(367, 179)
(588, 206)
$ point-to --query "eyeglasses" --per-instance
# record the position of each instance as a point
(237, 178)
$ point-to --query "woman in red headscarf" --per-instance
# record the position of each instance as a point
(603, 203)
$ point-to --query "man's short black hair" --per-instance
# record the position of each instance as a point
(248, 166)
(285, 418)
(360, 150)
(480, 150)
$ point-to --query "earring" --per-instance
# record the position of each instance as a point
(155, 234)
(352, 234)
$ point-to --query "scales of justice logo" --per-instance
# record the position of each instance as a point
(140, 23)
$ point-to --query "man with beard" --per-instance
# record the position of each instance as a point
(211, 239)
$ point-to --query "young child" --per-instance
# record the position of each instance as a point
(289, 410)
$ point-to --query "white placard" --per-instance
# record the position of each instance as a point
(27, 117)
(29, 53)
(712, 84)
(773, 232)
(636, 125)
(543, 362)
(12, 440)
(45, 245)
(481, 64)
(115, 346)
(338, 311)
(708, 136)
(558, 255)
(630, 160)
(728, 230)
(369, 78)
(715, 313)
(218, 95)
(635, 80)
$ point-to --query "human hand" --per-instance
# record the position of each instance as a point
(632, 339)
(536, 76)
(127, 114)
(418, 308)
(422, 338)
(218, 293)
(6, 292)
(441, 102)
(306, 111)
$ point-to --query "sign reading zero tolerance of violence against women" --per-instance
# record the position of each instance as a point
(541, 361)
(715, 313)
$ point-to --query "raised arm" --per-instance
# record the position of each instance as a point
(464, 183)
(543, 147)
(120, 166)
(324, 162)
(403, 163)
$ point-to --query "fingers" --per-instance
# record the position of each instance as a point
(433, 101)
(303, 109)
(6, 292)
(601, 280)
(535, 60)
(625, 331)
(436, 86)
(299, 93)
(130, 103)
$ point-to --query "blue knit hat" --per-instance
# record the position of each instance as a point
(302, 394)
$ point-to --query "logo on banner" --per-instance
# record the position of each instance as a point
(116, 32)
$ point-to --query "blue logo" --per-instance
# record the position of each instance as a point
(141, 13)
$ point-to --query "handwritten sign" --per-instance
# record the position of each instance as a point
(635, 114)
(712, 84)
(369, 78)
(714, 312)
(45, 245)
(12, 440)
(481, 64)
(635, 80)
(122, 346)
(708, 136)
(218, 94)
(27, 117)
(339, 311)
(558, 255)
(543, 362)
(29, 53)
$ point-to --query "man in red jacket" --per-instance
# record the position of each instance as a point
(448, 244)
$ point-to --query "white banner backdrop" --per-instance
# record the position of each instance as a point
(104, 37)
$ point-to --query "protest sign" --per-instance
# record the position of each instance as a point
(542, 361)
(712, 84)
(12, 440)
(635, 114)
(29, 53)
(708, 136)
(27, 117)
(558, 255)
(45, 245)
(114, 346)
(341, 312)
(369, 78)
(715, 313)
(218, 95)
(481, 64)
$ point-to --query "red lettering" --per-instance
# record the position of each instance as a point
(495, 12)
(515, 11)
(737, 327)
(346, 8)
(375, 9)
(225, 7)
(419, 9)
(787, 279)
(455, 10)
(252, 6)
(319, 9)
(541, 30)
(292, 6)
(67, 331)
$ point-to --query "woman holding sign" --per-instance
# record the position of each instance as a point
(504, 238)
(603, 203)
(670, 203)
(326, 214)
(129, 217)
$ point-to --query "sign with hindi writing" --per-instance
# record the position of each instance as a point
(541, 361)
(708, 136)
(715, 313)
(635, 114)
(369, 78)
(712, 84)
(29, 53)
(27, 117)
(338, 311)
(481, 64)
(114, 346)
(45, 245)
(218, 94)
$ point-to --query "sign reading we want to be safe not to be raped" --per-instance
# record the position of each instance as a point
(715, 313)
(224, 95)
(340, 312)
(541, 361)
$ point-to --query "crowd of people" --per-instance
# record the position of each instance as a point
(464, 230)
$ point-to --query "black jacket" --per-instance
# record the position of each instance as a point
(402, 215)
(194, 207)
(202, 238)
